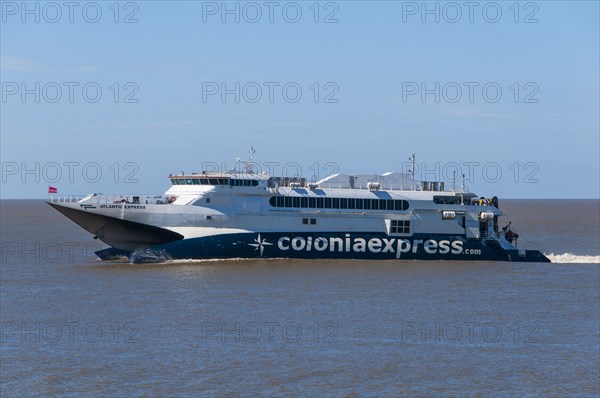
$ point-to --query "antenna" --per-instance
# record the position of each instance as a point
(251, 152)
(412, 171)
(453, 180)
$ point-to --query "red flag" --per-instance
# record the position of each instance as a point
(52, 190)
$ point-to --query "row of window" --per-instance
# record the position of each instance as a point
(400, 226)
(338, 203)
(446, 200)
(311, 221)
(214, 181)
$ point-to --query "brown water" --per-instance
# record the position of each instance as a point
(73, 326)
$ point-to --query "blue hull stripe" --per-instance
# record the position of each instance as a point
(323, 245)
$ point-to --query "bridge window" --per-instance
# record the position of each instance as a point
(446, 200)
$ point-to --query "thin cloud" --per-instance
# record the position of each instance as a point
(20, 64)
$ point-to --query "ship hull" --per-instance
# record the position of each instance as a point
(333, 245)
(143, 242)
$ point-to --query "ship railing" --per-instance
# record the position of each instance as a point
(414, 187)
(65, 198)
(111, 199)
(486, 235)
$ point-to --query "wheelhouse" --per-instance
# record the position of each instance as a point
(213, 180)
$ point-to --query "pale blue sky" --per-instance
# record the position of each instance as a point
(370, 55)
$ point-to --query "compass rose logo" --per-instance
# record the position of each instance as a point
(260, 244)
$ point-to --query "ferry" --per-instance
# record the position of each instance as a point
(242, 213)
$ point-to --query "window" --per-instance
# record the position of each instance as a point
(332, 203)
(213, 181)
(343, 203)
(207, 200)
(223, 181)
(313, 221)
(195, 181)
(305, 221)
(400, 227)
(204, 181)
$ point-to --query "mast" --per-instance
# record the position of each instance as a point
(412, 170)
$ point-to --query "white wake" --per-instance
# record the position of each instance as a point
(573, 258)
